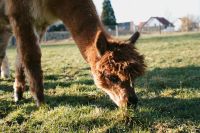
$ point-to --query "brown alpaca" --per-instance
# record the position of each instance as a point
(114, 64)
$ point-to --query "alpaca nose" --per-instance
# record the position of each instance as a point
(132, 101)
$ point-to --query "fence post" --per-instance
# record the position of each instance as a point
(116, 31)
(45, 36)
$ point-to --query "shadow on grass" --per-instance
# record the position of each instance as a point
(6, 88)
(52, 84)
(67, 79)
(5, 85)
(8, 106)
(68, 83)
(173, 108)
(83, 100)
(170, 111)
(173, 77)
(5, 108)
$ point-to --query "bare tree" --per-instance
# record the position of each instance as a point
(189, 23)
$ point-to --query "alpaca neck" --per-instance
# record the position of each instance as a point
(84, 25)
(86, 42)
(87, 46)
(85, 36)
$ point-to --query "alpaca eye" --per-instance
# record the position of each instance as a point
(114, 79)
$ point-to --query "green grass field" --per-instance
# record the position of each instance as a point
(169, 92)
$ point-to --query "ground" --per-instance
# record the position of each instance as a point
(169, 92)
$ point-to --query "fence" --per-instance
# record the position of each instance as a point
(62, 35)
(121, 29)
(57, 36)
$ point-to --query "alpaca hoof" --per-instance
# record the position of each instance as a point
(18, 96)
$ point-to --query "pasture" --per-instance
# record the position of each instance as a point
(169, 92)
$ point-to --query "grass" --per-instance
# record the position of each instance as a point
(169, 92)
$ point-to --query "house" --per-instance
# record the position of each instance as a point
(157, 24)
(126, 26)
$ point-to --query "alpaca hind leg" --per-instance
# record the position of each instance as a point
(29, 51)
(5, 71)
(19, 84)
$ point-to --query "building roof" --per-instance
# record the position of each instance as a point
(162, 20)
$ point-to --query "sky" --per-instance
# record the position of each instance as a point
(141, 10)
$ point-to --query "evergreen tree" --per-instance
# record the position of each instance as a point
(108, 15)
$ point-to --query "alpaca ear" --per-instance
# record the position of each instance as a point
(134, 38)
(101, 44)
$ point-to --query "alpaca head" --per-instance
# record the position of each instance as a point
(116, 68)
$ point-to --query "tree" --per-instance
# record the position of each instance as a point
(189, 23)
(186, 24)
(108, 15)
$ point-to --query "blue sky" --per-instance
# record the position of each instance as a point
(141, 10)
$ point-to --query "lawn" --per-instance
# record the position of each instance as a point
(169, 92)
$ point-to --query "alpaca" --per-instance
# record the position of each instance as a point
(114, 64)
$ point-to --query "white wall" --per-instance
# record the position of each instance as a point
(177, 25)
